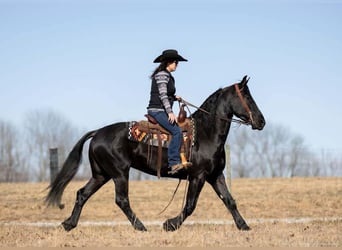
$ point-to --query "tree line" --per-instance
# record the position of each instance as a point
(273, 152)
(24, 151)
(278, 152)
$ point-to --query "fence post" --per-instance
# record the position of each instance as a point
(53, 163)
(228, 168)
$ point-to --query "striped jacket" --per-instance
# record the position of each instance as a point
(162, 93)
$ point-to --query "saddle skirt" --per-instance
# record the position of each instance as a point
(154, 135)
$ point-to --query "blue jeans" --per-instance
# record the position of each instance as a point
(175, 144)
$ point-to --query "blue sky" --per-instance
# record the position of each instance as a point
(91, 60)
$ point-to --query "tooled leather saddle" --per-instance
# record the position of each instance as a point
(151, 133)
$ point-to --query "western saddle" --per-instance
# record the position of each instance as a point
(151, 130)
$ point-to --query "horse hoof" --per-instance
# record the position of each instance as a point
(169, 226)
(140, 227)
(67, 226)
(244, 227)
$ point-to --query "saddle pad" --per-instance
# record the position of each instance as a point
(135, 133)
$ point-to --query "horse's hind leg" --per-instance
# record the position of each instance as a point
(221, 189)
(82, 196)
(122, 200)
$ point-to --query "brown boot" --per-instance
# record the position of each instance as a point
(179, 166)
(187, 164)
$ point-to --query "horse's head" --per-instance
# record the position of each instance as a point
(244, 107)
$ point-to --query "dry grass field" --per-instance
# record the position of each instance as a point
(297, 212)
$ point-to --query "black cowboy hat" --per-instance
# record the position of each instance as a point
(169, 55)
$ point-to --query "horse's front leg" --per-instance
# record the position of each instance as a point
(194, 189)
(220, 187)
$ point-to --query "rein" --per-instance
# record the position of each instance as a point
(244, 104)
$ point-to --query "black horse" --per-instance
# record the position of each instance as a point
(111, 154)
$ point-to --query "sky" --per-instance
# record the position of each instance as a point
(91, 60)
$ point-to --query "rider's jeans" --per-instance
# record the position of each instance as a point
(176, 132)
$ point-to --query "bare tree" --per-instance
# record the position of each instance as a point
(46, 129)
(273, 152)
(330, 163)
(12, 168)
(241, 156)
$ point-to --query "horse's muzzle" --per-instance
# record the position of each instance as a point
(258, 124)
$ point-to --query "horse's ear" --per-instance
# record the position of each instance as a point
(244, 81)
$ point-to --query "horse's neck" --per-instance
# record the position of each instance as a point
(211, 126)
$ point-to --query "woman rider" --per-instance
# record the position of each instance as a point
(162, 96)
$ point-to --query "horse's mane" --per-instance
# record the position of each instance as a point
(211, 102)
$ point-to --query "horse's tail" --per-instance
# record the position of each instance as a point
(67, 172)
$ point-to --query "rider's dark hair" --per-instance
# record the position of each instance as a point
(162, 66)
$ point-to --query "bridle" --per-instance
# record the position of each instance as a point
(243, 102)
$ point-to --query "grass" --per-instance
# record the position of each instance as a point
(256, 199)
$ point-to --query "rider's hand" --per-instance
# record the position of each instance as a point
(178, 98)
(172, 118)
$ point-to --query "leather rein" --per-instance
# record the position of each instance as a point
(243, 102)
